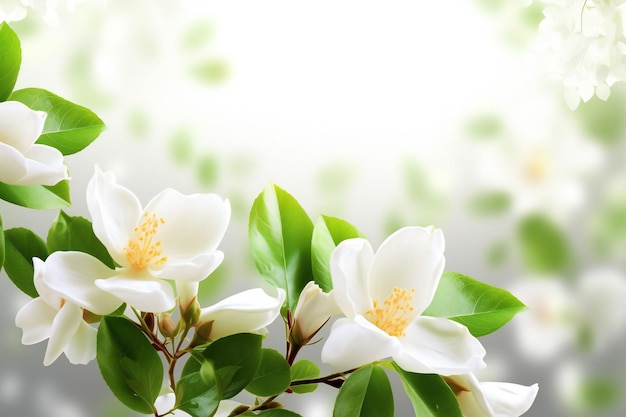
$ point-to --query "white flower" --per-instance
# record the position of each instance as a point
(383, 295)
(23, 161)
(314, 309)
(247, 311)
(174, 237)
(491, 399)
(57, 314)
(14, 10)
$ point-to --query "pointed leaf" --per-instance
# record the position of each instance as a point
(366, 393)
(304, 369)
(327, 234)
(1, 245)
(129, 364)
(40, 197)
(275, 412)
(198, 393)
(21, 246)
(273, 375)
(10, 60)
(480, 307)
(69, 127)
(280, 238)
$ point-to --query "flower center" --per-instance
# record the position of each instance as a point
(536, 167)
(392, 316)
(142, 250)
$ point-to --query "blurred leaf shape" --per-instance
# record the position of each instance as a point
(197, 35)
(207, 170)
(485, 126)
(211, 70)
(604, 120)
(138, 123)
(544, 247)
(181, 147)
(490, 203)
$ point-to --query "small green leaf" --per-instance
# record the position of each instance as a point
(429, 394)
(198, 393)
(304, 369)
(280, 234)
(480, 307)
(273, 375)
(69, 127)
(544, 246)
(10, 60)
(275, 412)
(129, 364)
(490, 203)
(40, 197)
(21, 246)
(235, 360)
(1, 244)
(70, 233)
(327, 234)
(366, 393)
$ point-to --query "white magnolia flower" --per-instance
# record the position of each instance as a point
(23, 162)
(245, 312)
(66, 296)
(314, 309)
(174, 237)
(14, 10)
(166, 402)
(383, 295)
(491, 399)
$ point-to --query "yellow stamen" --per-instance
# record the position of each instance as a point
(142, 250)
(536, 168)
(394, 314)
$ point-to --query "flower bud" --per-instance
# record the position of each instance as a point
(314, 309)
(167, 327)
(191, 313)
(202, 334)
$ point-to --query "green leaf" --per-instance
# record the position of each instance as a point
(480, 307)
(40, 197)
(327, 234)
(10, 60)
(68, 127)
(129, 364)
(280, 234)
(366, 393)
(198, 393)
(275, 412)
(1, 244)
(544, 246)
(69, 233)
(235, 360)
(429, 394)
(273, 375)
(304, 369)
(490, 203)
(21, 246)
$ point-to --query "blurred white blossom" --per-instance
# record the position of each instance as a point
(14, 10)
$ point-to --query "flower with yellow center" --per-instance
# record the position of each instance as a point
(382, 296)
(175, 237)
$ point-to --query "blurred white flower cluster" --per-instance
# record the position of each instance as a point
(14, 10)
(586, 46)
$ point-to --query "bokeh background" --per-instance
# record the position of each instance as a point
(383, 114)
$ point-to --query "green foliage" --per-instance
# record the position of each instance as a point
(198, 393)
(69, 127)
(304, 369)
(273, 375)
(429, 394)
(208, 170)
(21, 246)
(235, 360)
(604, 120)
(327, 234)
(10, 60)
(480, 307)
(490, 203)
(366, 393)
(544, 246)
(69, 233)
(485, 126)
(40, 197)
(280, 234)
(128, 363)
(275, 412)
(1, 244)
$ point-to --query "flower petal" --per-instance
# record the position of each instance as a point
(115, 212)
(357, 342)
(44, 165)
(82, 347)
(412, 257)
(247, 311)
(507, 399)
(438, 345)
(143, 293)
(195, 268)
(72, 274)
(349, 265)
(19, 125)
(35, 319)
(469, 395)
(193, 224)
(64, 328)
(13, 166)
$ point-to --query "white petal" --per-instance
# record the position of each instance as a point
(193, 224)
(13, 12)
(506, 399)
(19, 125)
(64, 327)
(469, 395)
(438, 345)
(314, 309)
(412, 257)
(165, 403)
(44, 166)
(13, 166)
(349, 265)
(195, 268)
(73, 274)
(82, 347)
(353, 343)
(143, 293)
(53, 298)
(115, 212)
(187, 291)
(35, 319)
(244, 312)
